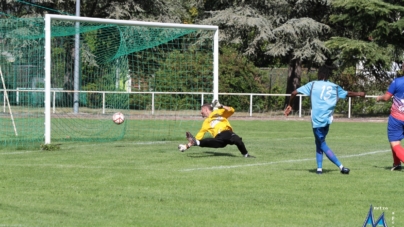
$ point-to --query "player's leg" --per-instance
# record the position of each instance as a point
(320, 134)
(191, 142)
(319, 157)
(220, 141)
(398, 152)
(212, 142)
(395, 133)
(238, 141)
(396, 161)
(223, 139)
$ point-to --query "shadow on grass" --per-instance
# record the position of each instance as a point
(386, 168)
(210, 154)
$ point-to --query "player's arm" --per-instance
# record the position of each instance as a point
(354, 94)
(203, 130)
(288, 109)
(199, 135)
(225, 111)
(387, 96)
(228, 108)
(228, 111)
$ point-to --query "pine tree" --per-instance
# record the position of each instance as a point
(368, 32)
(291, 31)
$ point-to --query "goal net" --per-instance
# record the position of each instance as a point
(156, 74)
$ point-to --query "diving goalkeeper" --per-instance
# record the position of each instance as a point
(217, 124)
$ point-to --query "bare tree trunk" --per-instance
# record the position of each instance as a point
(293, 82)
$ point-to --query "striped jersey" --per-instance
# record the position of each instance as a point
(396, 89)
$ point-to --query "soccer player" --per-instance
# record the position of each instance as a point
(217, 124)
(395, 125)
(324, 96)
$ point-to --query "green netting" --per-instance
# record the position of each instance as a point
(137, 70)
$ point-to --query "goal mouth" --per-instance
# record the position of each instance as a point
(92, 68)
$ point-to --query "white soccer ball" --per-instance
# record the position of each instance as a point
(182, 147)
(118, 118)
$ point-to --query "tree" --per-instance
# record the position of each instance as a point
(288, 30)
(239, 75)
(299, 41)
(370, 33)
(153, 10)
(244, 25)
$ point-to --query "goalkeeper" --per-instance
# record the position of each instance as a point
(217, 124)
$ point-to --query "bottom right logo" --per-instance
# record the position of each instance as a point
(381, 221)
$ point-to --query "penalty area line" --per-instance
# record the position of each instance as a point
(278, 162)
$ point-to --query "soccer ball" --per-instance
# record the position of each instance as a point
(182, 147)
(118, 118)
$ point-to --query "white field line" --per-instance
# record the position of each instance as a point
(191, 169)
(279, 162)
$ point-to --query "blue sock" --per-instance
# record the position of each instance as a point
(319, 158)
(321, 146)
(330, 155)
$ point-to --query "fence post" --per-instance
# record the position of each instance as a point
(300, 105)
(103, 103)
(349, 107)
(152, 103)
(54, 100)
(251, 104)
(202, 99)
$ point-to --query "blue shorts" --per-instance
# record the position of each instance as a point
(395, 129)
(321, 133)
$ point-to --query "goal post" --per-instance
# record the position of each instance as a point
(132, 59)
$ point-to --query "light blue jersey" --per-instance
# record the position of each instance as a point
(324, 96)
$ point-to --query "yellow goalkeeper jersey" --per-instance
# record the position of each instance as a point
(216, 123)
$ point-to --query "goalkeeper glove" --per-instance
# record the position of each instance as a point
(182, 147)
(216, 104)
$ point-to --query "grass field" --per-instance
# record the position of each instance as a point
(132, 183)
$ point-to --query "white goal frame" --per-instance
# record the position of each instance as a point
(50, 17)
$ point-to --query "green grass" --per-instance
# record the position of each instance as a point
(133, 183)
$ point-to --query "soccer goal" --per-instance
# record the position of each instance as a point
(156, 74)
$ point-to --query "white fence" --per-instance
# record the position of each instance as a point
(154, 94)
(284, 95)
